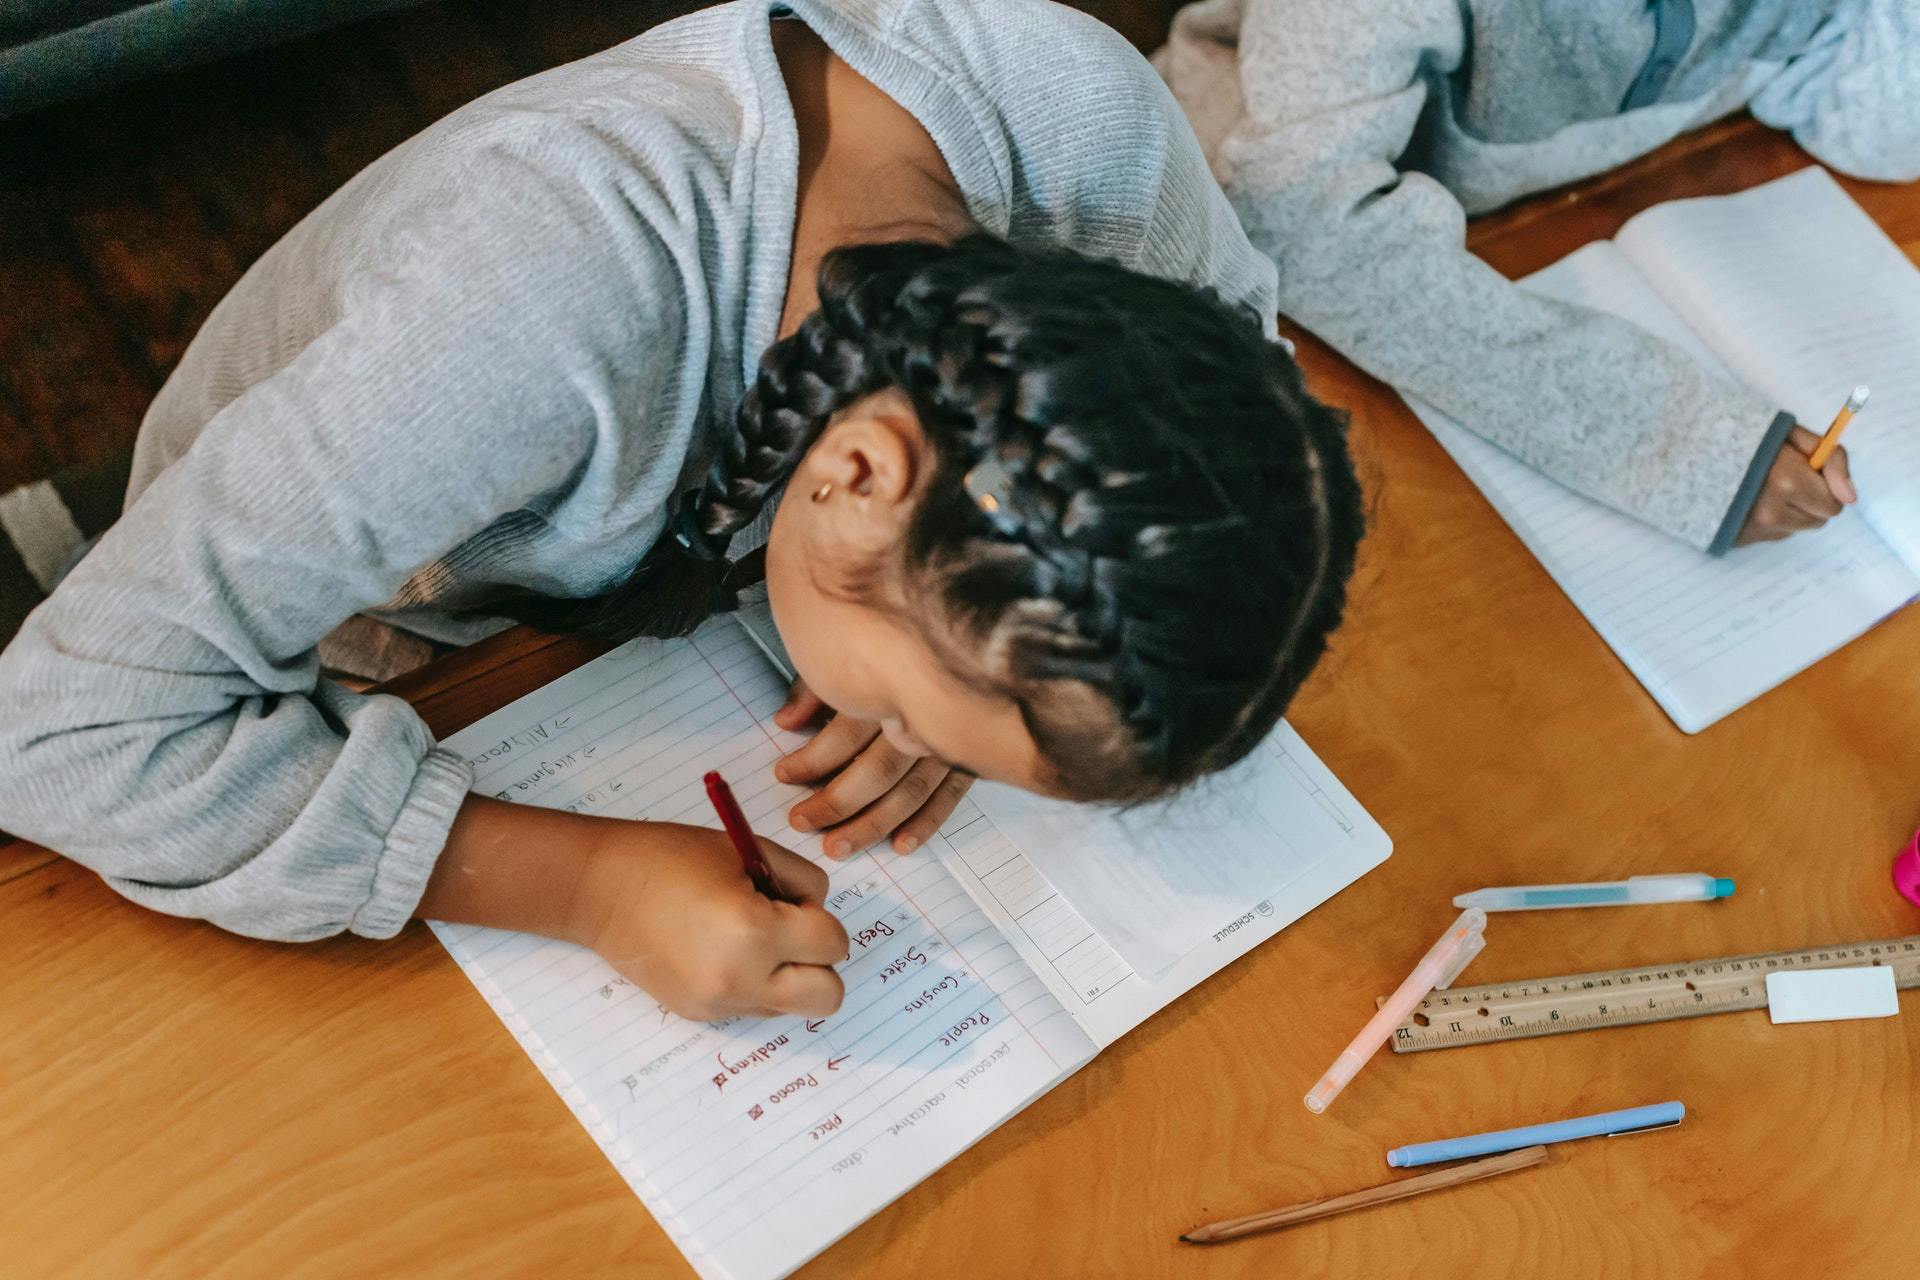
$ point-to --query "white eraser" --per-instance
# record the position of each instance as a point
(1829, 995)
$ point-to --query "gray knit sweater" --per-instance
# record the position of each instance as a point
(1355, 137)
(492, 358)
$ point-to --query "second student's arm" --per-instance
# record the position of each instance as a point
(1374, 261)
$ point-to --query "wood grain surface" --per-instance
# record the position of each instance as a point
(176, 1102)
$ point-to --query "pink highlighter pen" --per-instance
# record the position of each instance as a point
(1906, 871)
(1435, 972)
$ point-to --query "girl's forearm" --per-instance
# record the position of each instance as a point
(511, 866)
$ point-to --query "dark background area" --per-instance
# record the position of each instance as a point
(125, 217)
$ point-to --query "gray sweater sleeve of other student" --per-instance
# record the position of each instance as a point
(1852, 96)
(1374, 261)
(161, 717)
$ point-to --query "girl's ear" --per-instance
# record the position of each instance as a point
(862, 476)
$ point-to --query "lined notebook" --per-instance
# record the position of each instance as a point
(973, 986)
(1793, 290)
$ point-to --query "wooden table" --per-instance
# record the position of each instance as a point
(177, 1102)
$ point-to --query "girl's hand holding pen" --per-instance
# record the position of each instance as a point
(1796, 498)
(669, 907)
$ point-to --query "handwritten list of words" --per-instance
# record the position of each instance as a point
(755, 1143)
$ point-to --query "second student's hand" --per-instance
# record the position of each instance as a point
(873, 787)
(1795, 497)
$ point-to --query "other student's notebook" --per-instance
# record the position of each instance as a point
(973, 986)
(1793, 290)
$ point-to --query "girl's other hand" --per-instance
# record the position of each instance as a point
(1797, 498)
(670, 907)
(872, 788)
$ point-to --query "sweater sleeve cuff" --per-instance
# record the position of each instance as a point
(413, 844)
(1749, 491)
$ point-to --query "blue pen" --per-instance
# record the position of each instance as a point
(1633, 1120)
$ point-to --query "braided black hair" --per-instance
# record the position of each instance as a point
(1177, 517)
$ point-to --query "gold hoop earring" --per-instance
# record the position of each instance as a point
(820, 494)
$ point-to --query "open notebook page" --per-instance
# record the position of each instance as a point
(1296, 837)
(1277, 830)
(754, 1143)
(1329, 849)
(1805, 297)
(1705, 635)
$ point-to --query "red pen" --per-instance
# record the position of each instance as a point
(742, 836)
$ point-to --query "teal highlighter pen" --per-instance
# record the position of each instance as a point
(1605, 893)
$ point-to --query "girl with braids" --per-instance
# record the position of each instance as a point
(952, 278)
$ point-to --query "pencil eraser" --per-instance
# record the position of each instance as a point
(1832, 995)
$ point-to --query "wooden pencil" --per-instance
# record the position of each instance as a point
(1420, 1184)
(1831, 440)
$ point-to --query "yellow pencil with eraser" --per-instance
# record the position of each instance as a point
(1831, 441)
